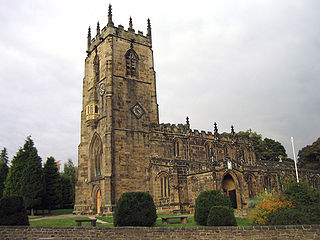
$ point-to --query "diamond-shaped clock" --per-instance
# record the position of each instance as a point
(137, 111)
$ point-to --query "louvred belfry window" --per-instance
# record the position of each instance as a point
(132, 61)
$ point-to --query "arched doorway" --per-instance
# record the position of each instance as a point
(98, 201)
(229, 188)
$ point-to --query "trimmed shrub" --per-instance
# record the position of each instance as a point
(13, 212)
(205, 201)
(135, 209)
(221, 216)
(288, 216)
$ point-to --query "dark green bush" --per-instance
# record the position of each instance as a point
(13, 212)
(135, 209)
(221, 216)
(306, 200)
(288, 216)
(205, 201)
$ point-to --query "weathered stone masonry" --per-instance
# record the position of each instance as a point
(239, 233)
(123, 146)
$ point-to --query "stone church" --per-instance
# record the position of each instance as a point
(124, 148)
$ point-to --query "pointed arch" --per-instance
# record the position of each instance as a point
(132, 61)
(96, 154)
(96, 67)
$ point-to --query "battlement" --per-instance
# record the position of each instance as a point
(111, 30)
(184, 129)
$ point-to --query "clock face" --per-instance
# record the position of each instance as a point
(137, 110)
(101, 89)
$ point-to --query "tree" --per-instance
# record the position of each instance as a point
(265, 149)
(309, 156)
(66, 192)
(51, 183)
(32, 187)
(13, 181)
(4, 169)
(70, 172)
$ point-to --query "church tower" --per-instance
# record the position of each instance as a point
(119, 106)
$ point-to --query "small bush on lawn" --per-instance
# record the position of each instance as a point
(135, 209)
(205, 201)
(221, 216)
(13, 212)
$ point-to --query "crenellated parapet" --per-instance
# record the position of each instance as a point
(111, 30)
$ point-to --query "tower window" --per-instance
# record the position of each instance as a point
(176, 148)
(132, 63)
(96, 67)
(96, 109)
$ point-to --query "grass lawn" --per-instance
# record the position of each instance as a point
(68, 222)
(62, 222)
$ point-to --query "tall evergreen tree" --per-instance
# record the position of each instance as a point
(70, 171)
(13, 181)
(51, 179)
(32, 186)
(4, 169)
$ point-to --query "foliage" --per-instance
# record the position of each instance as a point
(13, 181)
(265, 149)
(268, 203)
(205, 201)
(69, 177)
(309, 156)
(135, 209)
(32, 187)
(66, 191)
(4, 169)
(287, 216)
(253, 203)
(51, 179)
(221, 216)
(305, 199)
(13, 212)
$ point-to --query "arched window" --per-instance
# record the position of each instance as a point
(209, 152)
(96, 154)
(96, 67)
(226, 153)
(164, 185)
(96, 109)
(267, 183)
(132, 60)
(250, 182)
(176, 148)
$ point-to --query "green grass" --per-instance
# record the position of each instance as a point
(68, 222)
(61, 222)
(243, 222)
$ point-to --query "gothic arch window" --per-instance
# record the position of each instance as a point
(132, 61)
(209, 152)
(96, 155)
(164, 185)
(226, 153)
(250, 182)
(267, 184)
(176, 148)
(96, 67)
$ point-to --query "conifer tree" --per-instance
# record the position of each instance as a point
(13, 181)
(32, 186)
(3, 169)
(51, 179)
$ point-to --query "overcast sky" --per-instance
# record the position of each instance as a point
(248, 63)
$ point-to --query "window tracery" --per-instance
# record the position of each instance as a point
(132, 61)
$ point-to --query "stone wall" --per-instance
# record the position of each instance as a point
(83, 233)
